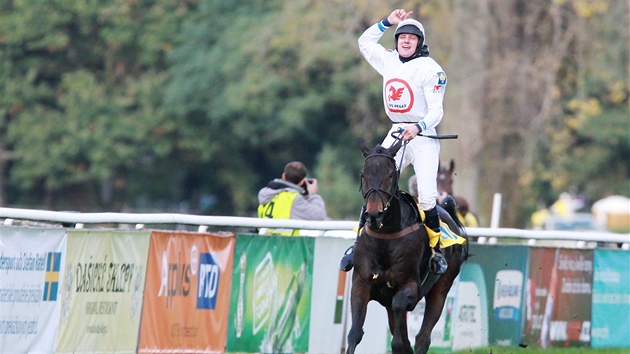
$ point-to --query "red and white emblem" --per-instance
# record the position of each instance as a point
(398, 96)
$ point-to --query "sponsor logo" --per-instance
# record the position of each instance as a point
(265, 288)
(441, 82)
(570, 331)
(208, 280)
(176, 279)
(441, 78)
(51, 283)
(398, 96)
(508, 291)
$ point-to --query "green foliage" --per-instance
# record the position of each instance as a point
(88, 77)
(337, 174)
(195, 105)
(284, 87)
(604, 141)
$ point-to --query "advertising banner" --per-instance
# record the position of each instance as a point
(102, 291)
(31, 269)
(187, 291)
(331, 297)
(611, 299)
(331, 315)
(559, 294)
(471, 313)
(442, 334)
(271, 294)
(504, 270)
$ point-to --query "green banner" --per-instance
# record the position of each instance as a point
(271, 294)
(504, 269)
(611, 299)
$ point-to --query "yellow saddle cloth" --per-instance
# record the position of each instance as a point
(447, 236)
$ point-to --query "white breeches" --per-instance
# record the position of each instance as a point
(424, 155)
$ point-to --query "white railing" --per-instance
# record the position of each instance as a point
(140, 219)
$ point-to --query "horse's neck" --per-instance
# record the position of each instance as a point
(398, 218)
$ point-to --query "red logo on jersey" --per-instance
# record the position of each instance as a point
(398, 96)
(395, 94)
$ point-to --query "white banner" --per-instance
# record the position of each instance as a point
(31, 269)
(330, 303)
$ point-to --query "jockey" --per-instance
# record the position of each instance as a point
(413, 92)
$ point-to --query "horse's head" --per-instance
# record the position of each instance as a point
(445, 178)
(379, 181)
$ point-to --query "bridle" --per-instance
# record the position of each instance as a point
(391, 193)
(398, 136)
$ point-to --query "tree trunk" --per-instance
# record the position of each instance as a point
(505, 60)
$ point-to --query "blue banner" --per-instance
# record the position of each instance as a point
(611, 299)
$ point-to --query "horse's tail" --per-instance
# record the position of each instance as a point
(450, 206)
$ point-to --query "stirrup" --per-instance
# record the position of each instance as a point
(347, 259)
(438, 264)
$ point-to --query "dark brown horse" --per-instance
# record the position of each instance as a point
(391, 257)
(445, 184)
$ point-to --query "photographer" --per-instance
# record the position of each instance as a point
(292, 197)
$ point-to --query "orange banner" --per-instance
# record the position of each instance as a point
(187, 293)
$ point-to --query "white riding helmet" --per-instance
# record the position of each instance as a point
(410, 26)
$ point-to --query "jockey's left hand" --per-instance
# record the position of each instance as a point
(410, 132)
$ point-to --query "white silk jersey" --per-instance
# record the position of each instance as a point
(413, 92)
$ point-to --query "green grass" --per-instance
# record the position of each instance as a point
(517, 350)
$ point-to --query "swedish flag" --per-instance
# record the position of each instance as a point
(51, 285)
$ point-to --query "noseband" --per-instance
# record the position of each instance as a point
(379, 191)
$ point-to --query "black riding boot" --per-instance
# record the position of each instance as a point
(348, 256)
(438, 263)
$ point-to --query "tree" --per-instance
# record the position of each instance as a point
(195, 105)
(287, 88)
(518, 72)
(85, 74)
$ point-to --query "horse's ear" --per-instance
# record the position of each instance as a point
(394, 149)
(364, 148)
(452, 167)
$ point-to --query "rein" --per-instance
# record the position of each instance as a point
(397, 136)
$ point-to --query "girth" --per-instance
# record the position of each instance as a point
(399, 234)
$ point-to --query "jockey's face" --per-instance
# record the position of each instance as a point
(407, 44)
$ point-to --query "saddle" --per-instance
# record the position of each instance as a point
(409, 199)
(448, 237)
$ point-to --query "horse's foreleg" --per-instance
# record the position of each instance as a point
(393, 325)
(358, 305)
(402, 302)
(434, 303)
